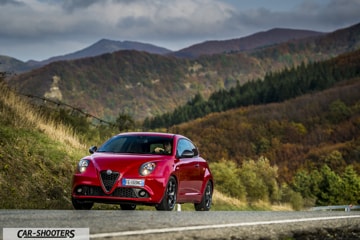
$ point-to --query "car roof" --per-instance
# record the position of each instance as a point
(158, 134)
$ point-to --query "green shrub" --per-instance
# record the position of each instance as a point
(227, 180)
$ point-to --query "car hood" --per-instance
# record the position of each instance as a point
(122, 162)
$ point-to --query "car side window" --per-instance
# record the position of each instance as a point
(184, 144)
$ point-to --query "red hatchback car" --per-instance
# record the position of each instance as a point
(143, 168)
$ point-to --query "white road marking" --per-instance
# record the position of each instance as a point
(203, 227)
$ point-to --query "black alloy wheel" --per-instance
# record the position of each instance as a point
(169, 200)
(206, 200)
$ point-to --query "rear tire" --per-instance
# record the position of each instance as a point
(169, 200)
(80, 205)
(206, 200)
(127, 206)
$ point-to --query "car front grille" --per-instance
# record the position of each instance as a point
(108, 179)
(97, 191)
(124, 192)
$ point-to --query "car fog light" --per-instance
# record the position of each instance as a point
(79, 190)
(142, 193)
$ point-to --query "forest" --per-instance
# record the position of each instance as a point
(300, 145)
(275, 87)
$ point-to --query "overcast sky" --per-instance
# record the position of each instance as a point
(40, 29)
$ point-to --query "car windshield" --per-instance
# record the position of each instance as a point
(138, 144)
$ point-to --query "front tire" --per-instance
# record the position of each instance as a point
(206, 200)
(169, 200)
(80, 205)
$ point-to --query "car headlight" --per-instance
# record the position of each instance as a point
(82, 165)
(147, 168)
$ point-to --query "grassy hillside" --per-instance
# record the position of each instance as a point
(37, 156)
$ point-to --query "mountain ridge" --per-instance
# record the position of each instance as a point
(259, 39)
(108, 46)
(104, 46)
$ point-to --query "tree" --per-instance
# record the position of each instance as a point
(290, 196)
(269, 174)
(331, 188)
(226, 175)
(351, 187)
(124, 122)
(255, 187)
(338, 111)
(325, 187)
(334, 160)
(305, 184)
(260, 180)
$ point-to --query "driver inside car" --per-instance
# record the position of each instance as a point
(166, 149)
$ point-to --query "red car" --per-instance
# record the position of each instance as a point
(143, 168)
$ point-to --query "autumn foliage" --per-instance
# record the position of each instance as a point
(312, 140)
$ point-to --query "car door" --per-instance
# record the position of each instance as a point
(189, 171)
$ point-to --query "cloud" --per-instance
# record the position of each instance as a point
(131, 18)
(70, 5)
(319, 15)
(340, 12)
(60, 25)
(10, 2)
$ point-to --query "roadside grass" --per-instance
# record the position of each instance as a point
(222, 202)
(37, 157)
(35, 172)
(19, 113)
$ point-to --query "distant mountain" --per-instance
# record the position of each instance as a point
(261, 39)
(105, 46)
(12, 65)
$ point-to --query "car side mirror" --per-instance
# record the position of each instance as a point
(92, 149)
(196, 151)
(187, 154)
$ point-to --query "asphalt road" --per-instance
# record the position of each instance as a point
(184, 225)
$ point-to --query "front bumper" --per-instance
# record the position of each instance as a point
(86, 188)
